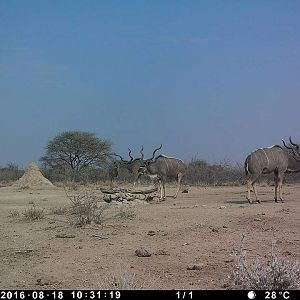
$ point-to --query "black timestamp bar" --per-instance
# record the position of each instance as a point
(147, 294)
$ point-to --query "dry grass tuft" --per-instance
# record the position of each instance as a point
(58, 210)
(122, 279)
(33, 213)
(14, 214)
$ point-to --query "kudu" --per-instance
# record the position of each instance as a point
(131, 165)
(163, 167)
(272, 159)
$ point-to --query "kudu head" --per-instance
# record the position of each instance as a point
(147, 162)
(294, 149)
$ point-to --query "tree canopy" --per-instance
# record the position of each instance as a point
(76, 150)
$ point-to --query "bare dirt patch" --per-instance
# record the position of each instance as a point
(200, 228)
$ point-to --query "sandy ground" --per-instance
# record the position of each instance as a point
(204, 226)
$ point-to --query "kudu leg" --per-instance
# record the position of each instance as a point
(280, 182)
(255, 192)
(163, 189)
(276, 185)
(179, 185)
(252, 183)
(249, 184)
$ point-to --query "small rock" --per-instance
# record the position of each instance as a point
(257, 219)
(113, 197)
(185, 244)
(65, 236)
(197, 266)
(225, 226)
(222, 207)
(42, 282)
(107, 198)
(213, 229)
(142, 252)
(229, 260)
(151, 232)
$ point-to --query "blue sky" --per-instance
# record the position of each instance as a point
(207, 79)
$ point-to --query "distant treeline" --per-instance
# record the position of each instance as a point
(199, 173)
(11, 172)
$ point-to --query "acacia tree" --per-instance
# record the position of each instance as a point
(76, 151)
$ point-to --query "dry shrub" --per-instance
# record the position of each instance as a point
(33, 213)
(84, 206)
(275, 274)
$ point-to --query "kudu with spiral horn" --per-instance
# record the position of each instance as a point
(274, 159)
(131, 165)
(163, 167)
